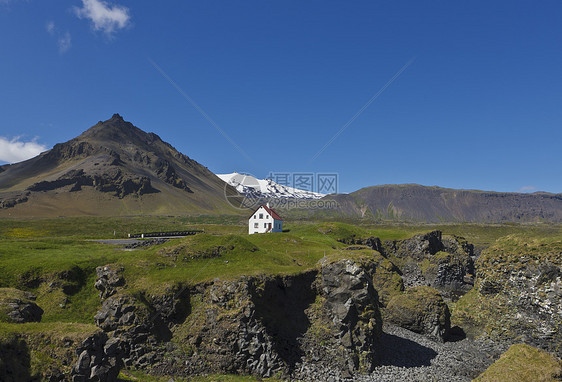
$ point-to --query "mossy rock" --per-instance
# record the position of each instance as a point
(523, 363)
(514, 296)
(421, 310)
(18, 306)
(384, 273)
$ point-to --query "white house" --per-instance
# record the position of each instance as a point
(265, 219)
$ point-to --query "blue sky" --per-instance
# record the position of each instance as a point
(479, 105)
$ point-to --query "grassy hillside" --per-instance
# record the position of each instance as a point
(38, 252)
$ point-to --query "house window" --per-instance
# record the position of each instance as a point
(264, 225)
(261, 216)
(256, 225)
(255, 216)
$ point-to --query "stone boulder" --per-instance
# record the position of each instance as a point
(118, 310)
(109, 278)
(443, 262)
(417, 247)
(98, 359)
(421, 310)
(18, 306)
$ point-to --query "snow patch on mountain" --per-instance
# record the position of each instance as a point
(251, 186)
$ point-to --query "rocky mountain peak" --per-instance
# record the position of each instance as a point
(117, 159)
(117, 132)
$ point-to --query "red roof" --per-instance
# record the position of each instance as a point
(270, 211)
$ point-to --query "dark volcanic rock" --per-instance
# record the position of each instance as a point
(421, 310)
(108, 279)
(352, 304)
(10, 199)
(116, 311)
(372, 242)
(98, 359)
(22, 311)
(113, 180)
(268, 325)
(417, 247)
(18, 306)
(517, 294)
(445, 263)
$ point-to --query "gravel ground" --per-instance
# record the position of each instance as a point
(411, 357)
(408, 356)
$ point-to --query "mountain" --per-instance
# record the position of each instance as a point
(414, 202)
(255, 188)
(113, 168)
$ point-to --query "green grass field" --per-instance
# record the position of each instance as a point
(37, 252)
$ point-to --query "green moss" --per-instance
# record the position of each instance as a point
(142, 377)
(411, 307)
(523, 363)
(41, 346)
(495, 314)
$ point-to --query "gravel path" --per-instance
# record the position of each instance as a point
(408, 356)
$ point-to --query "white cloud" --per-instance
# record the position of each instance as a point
(527, 189)
(64, 42)
(50, 26)
(15, 150)
(104, 17)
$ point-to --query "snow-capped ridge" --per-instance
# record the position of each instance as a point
(251, 186)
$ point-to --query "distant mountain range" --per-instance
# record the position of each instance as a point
(115, 168)
(253, 187)
(413, 202)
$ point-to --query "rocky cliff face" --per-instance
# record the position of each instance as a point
(321, 324)
(312, 325)
(442, 262)
(517, 294)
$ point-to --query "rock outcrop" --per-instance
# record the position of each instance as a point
(10, 199)
(517, 294)
(98, 359)
(18, 306)
(113, 180)
(445, 263)
(260, 325)
(421, 310)
(109, 278)
(352, 304)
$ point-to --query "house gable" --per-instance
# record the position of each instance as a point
(265, 219)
